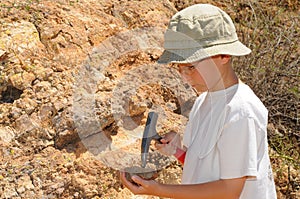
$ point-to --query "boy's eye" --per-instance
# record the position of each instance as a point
(187, 70)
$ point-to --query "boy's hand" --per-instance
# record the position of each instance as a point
(169, 143)
(144, 187)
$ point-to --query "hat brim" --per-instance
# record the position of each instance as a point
(191, 55)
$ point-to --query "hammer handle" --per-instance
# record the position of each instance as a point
(158, 138)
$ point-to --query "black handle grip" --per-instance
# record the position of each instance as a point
(158, 138)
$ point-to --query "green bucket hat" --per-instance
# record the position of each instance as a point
(198, 32)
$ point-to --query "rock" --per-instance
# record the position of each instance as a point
(42, 73)
(24, 183)
(42, 87)
(9, 191)
(2, 52)
(13, 34)
(64, 109)
(26, 104)
(24, 124)
(70, 71)
(145, 173)
(65, 137)
(5, 113)
(83, 184)
(47, 112)
(22, 80)
(64, 126)
(7, 134)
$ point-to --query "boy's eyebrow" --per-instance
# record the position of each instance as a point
(187, 64)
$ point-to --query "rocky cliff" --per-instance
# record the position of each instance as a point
(78, 78)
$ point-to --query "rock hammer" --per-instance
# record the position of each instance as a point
(149, 134)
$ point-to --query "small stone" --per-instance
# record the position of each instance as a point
(7, 134)
(26, 104)
(22, 80)
(24, 123)
(9, 191)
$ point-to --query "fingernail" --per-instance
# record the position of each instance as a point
(134, 177)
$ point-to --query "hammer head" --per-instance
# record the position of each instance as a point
(149, 134)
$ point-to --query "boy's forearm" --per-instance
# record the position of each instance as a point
(231, 188)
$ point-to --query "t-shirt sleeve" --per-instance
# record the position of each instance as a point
(238, 149)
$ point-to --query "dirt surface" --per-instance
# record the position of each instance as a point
(78, 78)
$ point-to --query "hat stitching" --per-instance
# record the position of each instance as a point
(179, 18)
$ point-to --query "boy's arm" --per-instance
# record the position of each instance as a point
(229, 188)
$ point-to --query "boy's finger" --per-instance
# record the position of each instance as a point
(158, 146)
(123, 178)
(163, 140)
(134, 188)
(136, 179)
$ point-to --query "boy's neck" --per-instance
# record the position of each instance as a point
(228, 78)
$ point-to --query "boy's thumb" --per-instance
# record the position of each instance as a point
(137, 179)
(164, 141)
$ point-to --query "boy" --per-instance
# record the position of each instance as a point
(225, 149)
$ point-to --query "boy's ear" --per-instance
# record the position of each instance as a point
(225, 59)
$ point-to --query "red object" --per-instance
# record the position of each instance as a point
(180, 155)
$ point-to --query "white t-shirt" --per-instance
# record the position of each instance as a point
(226, 137)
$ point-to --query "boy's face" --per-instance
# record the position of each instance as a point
(202, 75)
